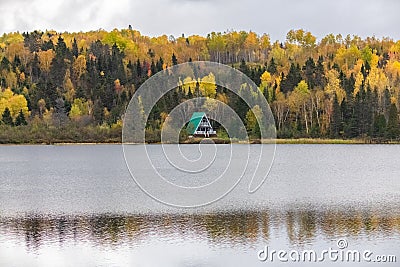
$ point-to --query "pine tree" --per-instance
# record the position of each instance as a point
(5, 64)
(393, 128)
(349, 85)
(153, 67)
(75, 51)
(353, 126)
(58, 65)
(35, 68)
(320, 80)
(20, 120)
(243, 67)
(309, 72)
(292, 79)
(47, 45)
(197, 92)
(174, 59)
(98, 111)
(6, 118)
(379, 127)
(160, 64)
(386, 103)
(336, 119)
(138, 69)
(272, 67)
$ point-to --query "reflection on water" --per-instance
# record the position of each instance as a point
(67, 207)
(242, 229)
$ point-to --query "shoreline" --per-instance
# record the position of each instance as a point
(299, 141)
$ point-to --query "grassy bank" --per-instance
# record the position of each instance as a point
(292, 141)
(52, 135)
(73, 134)
(322, 141)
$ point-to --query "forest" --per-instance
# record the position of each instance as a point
(75, 87)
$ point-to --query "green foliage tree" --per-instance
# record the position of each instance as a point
(91, 76)
(6, 117)
(174, 59)
(292, 79)
(336, 119)
(20, 119)
(379, 128)
(393, 126)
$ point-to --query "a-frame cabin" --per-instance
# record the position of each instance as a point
(199, 125)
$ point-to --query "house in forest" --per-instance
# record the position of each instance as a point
(199, 125)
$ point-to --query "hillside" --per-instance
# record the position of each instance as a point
(74, 87)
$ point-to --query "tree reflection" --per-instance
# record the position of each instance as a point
(232, 229)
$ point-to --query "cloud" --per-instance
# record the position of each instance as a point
(277, 17)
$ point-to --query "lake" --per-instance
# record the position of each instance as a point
(77, 205)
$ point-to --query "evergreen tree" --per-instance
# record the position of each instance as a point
(292, 79)
(272, 68)
(159, 65)
(347, 110)
(75, 51)
(349, 84)
(379, 128)
(320, 80)
(98, 111)
(47, 45)
(393, 128)
(197, 92)
(138, 69)
(386, 103)
(189, 94)
(244, 68)
(5, 64)
(153, 68)
(17, 63)
(174, 59)
(20, 120)
(116, 66)
(353, 126)
(58, 64)
(35, 69)
(336, 119)
(309, 72)
(6, 117)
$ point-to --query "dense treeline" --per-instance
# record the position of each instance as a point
(339, 87)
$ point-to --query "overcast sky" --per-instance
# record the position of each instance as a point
(157, 17)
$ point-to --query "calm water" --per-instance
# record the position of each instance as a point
(79, 206)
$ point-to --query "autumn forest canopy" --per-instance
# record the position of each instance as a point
(75, 87)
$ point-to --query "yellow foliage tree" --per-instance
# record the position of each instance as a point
(79, 66)
(68, 87)
(78, 108)
(208, 86)
(14, 102)
(187, 83)
(333, 85)
(377, 80)
(393, 69)
(358, 83)
(346, 58)
(45, 58)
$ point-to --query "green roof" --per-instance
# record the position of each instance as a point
(194, 122)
